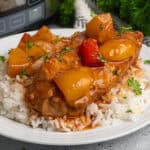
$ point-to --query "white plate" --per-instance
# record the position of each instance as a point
(21, 132)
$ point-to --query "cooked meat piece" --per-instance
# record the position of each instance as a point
(58, 64)
(106, 78)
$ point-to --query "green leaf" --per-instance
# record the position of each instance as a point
(29, 45)
(67, 12)
(129, 111)
(23, 72)
(124, 29)
(107, 5)
(46, 57)
(2, 58)
(102, 59)
(115, 72)
(57, 39)
(147, 62)
(92, 14)
(62, 52)
(30, 57)
(60, 59)
(102, 27)
(9, 51)
(135, 85)
(133, 12)
(65, 50)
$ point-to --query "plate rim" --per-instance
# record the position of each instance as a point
(91, 141)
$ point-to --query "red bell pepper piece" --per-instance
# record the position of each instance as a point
(89, 53)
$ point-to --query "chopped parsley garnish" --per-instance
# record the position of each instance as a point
(23, 72)
(62, 52)
(29, 44)
(101, 27)
(30, 57)
(124, 97)
(92, 14)
(124, 29)
(135, 85)
(60, 59)
(46, 57)
(65, 50)
(2, 59)
(9, 51)
(40, 56)
(147, 62)
(102, 59)
(129, 111)
(115, 72)
(57, 39)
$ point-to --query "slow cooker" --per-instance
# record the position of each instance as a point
(17, 15)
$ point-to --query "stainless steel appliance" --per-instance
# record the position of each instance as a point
(16, 15)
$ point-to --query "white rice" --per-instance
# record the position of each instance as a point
(12, 106)
(12, 98)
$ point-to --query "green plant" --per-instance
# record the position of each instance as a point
(67, 12)
(134, 12)
(108, 5)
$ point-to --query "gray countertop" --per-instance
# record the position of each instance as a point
(139, 140)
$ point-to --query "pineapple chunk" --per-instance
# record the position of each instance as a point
(18, 60)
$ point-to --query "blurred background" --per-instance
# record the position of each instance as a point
(20, 15)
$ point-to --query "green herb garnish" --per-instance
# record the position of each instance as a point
(57, 39)
(29, 44)
(115, 72)
(62, 52)
(124, 29)
(9, 51)
(60, 59)
(46, 57)
(129, 111)
(101, 27)
(92, 14)
(23, 72)
(30, 57)
(124, 97)
(135, 85)
(40, 56)
(66, 10)
(102, 59)
(147, 62)
(2, 59)
(135, 12)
